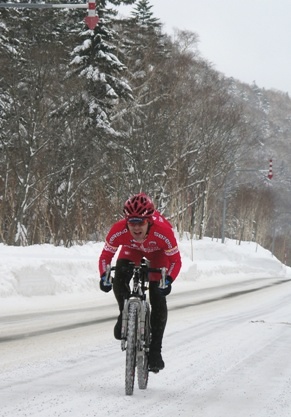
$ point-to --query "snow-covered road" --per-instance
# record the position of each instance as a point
(224, 357)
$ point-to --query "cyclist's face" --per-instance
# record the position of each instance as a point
(138, 230)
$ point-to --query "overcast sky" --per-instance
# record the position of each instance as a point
(249, 40)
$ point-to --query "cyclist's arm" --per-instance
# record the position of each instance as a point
(112, 242)
(173, 254)
(174, 266)
(106, 256)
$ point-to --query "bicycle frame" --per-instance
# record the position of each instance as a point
(139, 285)
(137, 295)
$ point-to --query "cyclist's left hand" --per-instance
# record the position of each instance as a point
(168, 282)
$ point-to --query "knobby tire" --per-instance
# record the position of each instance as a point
(143, 357)
(131, 348)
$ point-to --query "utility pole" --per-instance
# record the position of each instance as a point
(269, 176)
(275, 229)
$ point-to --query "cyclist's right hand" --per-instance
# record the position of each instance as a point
(105, 286)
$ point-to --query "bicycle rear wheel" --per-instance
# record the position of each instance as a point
(143, 356)
(131, 348)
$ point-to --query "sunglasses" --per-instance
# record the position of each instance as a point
(137, 220)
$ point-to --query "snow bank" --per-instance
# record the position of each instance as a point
(46, 270)
(213, 261)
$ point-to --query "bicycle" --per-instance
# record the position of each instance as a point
(135, 330)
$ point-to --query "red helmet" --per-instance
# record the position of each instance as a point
(139, 205)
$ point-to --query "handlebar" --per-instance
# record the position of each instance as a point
(162, 271)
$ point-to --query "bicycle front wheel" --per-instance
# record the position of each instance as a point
(131, 348)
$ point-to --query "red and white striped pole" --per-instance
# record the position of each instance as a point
(270, 175)
(92, 19)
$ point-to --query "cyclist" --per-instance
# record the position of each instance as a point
(143, 233)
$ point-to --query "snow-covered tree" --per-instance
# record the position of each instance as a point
(144, 51)
(96, 62)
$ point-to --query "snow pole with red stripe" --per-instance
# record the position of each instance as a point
(270, 175)
(92, 19)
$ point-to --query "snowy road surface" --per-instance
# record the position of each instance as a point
(225, 357)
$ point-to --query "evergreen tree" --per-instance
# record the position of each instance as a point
(103, 97)
(144, 16)
(95, 61)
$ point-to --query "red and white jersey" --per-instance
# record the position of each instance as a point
(159, 247)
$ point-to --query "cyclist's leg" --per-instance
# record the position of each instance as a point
(121, 281)
(159, 313)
